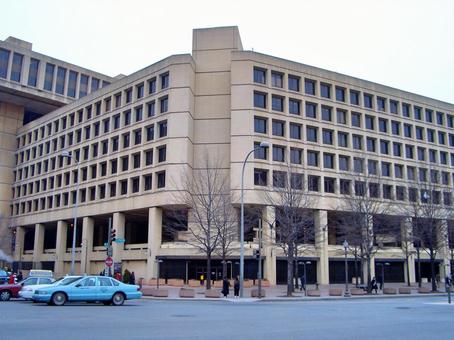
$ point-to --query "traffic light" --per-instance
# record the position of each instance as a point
(257, 254)
(113, 235)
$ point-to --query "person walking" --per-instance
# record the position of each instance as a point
(225, 287)
(303, 283)
(381, 283)
(373, 285)
(236, 287)
(132, 279)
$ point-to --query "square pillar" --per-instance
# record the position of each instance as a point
(60, 248)
(87, 244)
(269, 238)
(118, 223)
(321, 245)
(443, 249)
(19, 246)
(406, 227)
(154, 240)
(38, 246)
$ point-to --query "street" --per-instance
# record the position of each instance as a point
(397, 318)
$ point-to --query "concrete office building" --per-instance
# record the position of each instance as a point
(136, 138)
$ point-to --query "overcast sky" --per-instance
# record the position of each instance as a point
(407, 44)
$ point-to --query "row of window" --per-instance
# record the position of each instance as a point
(348, 187)
(354, 141)
(113, 189)
(341, 94)
(347, 163)
(57, 79)
(106, 168)
(105, 106)
(355, 119)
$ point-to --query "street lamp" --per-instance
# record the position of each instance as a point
(383, 273)
(158, 262)
(67, 154)
(347, 291)
(262, 145)
(305, 277)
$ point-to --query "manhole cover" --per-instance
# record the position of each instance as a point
(182, 315)
(402, 307)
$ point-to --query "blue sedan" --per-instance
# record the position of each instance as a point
(89, 289)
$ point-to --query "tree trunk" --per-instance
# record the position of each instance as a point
(369, 277)
(356, 269)
(407, 260)
(432, 271)
(208, 278)
(224, 267)
(289, 275)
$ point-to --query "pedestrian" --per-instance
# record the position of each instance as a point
(381, 283)
(303, 283)
(236, 287)
(225, 287)
(11, 279)
(117, 276)
(373, 285)
(132, 279)
(20, 277)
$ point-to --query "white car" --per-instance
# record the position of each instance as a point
(27, 291)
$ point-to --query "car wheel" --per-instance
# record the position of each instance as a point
(106, 303)
(58, 299)
(118, 299)
(5, 295)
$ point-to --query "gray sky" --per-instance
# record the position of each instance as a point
(407, 44)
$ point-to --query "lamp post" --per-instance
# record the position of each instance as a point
(383, 273)
(67, 154)
(347, 291)
(158, 262)
(305, 276)
(262, 145)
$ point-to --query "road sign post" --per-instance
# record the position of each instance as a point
(109, 262)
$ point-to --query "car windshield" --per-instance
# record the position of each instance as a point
(69, 280)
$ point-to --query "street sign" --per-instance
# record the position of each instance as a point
(120, 240)
(109, 262)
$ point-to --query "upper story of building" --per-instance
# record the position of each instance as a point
(40, 83)
(134, 139)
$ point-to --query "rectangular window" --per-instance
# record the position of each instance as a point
(395, 127)
(328, 161)
(340, 94)
(309, 86)
(357, 142)
(356, 119)
(358, 165)
(342, 139)
(344, 163)
(341, 116)
(4, 60)
(16, 69)
(329, 184)
(408, 129)
(94, 84)
(295, 131)
(72, 83)
(311, 134)
(49, 77)
(151, 108)
(369, 120)
(123, 187)
(294, 106)
(165, 79)
(419, 133)
(368, 100)
(278, 153)
(260, 177)
(260, 125)
(164, 104)
(149, 157)
(294, 83)
(312, 158)
(162, 128)
(278, 128)
(384, 147)
(393, 106)
(32, 72)
(429, 116)
(409, 153)
(354, 97)
(372, 167)
(152, 86)
(397, 149)
(417, 112)
(327, 136)
(150, 132)
(260, 152)
(147, 179)
(400, 193)
(277, 103)
(344, 186)
(139, 91)
(296, 156)
(325, 90)
(385, 169)
(260, 100)
(326, 113)
(277, 79)
(83, 86)
(259, 75)
(139, 113)
(381, 104)
(383, 125)
(311, 110)
(137, 136)
(162, 154)
(405, 110)
(313, 183)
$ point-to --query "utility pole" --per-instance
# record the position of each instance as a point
(260, 258)
(109, 245)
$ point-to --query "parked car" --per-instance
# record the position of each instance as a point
(28, 291)
(3, 277)
(88, 289)
(8, 291)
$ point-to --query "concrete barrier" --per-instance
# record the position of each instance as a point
(358, 291)
(255, 293)
(247, 284)
(424, 290)
(152, 282)
(212, 293)
(217, 284)
(266, 283)
(152, 291)
(187, 293)
(194, 283)
(313, 292)
(389, 291)
(404, 290)
(175, 282)
(335, 292)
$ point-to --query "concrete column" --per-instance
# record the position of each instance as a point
(87, 244)
(269, 239)
(408, 248)
(443, 249)
(19, 246)
(154, 240)
(60, 248)
(321, 245)
(38, 246)
(118, 223)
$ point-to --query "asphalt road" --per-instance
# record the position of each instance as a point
(403, 318)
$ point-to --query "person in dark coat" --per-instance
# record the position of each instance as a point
(132, 279)
(20, 277)
(225, 287)
(303, 283)
(236, 287)
(373, 285)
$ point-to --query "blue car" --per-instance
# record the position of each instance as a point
(88, 289)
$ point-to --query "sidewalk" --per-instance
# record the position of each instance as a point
(278, 293)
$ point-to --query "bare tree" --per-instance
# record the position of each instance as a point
(364, 205)
(293, 218)
(428, 214)
(210, 218)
